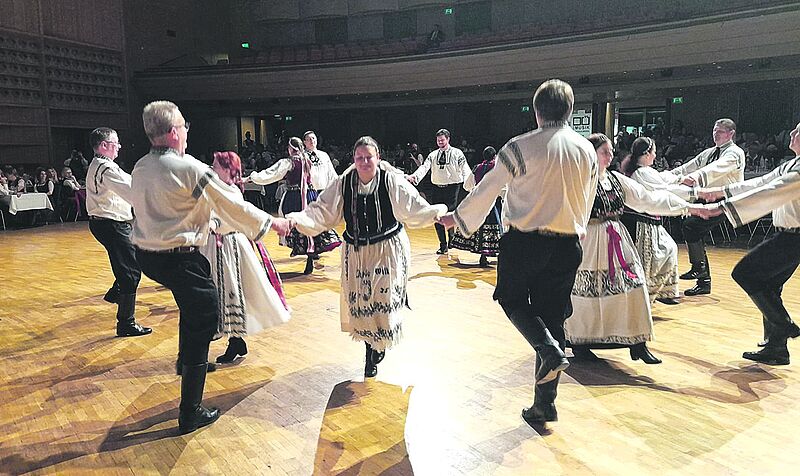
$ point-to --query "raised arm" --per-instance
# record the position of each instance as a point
(471, 213)
(232, 209)
(408, 205)
(273, 174)
(656, 202)
(730, 161)
(652, 180)
(324, 213)
(754, 204)
(421, 170)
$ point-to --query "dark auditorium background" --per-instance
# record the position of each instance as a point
(346, 68)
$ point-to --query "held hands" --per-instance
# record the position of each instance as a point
(447, 220)
(710, 196)
(411, 179)
(282, 226)
(706, 211)
(688, 181)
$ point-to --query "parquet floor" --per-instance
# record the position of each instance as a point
(76, 400)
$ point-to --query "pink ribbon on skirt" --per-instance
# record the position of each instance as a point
(615, 248)
(304, 182)
(272, 274)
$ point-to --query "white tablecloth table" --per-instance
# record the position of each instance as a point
(29, 201)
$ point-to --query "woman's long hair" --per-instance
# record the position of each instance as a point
(640, 147)
(231, 162)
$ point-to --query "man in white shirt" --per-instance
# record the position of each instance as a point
(449, 169)
(720, 165)
(110, 214)
(551, 177)
(322, 170)
(765, 269)
(173, 195)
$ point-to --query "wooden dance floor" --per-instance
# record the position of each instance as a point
(76, 400)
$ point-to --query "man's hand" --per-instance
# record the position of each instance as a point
(281, 226)
(710, 196)
(688, 181)
(447, 221)
(411, 179)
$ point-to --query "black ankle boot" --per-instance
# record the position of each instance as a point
(703, 286)
(640, 351)
(484, 262)
(309, 265)
(697, 272)
(236, 347)
(370, 365)
(539, 413)
(192, 414)
(770, 355)
(126, 322)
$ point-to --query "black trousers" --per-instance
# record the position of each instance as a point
(188, 276)
(115, 236)
(695, 228)
(766, 268)
(447, 195)
(535, 276)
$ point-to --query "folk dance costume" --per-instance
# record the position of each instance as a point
(174, 196)
(249, 288)
(377, 253)
(551, 176)
(609, 300)
(715, 166)
(486, 239)
(764, 269)
(108, 190)
(657, 250)
(449, 169)
(300, 192)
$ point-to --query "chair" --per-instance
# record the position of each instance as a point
(764, 223)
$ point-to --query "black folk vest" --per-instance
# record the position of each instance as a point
(368, 218)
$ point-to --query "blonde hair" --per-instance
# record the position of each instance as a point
(159, 117)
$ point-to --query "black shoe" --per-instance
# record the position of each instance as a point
(691, 274)
(112, 295)
(537, 414)
(582, 352)
(309, 265)
(668, 301)
(132, 329)
(236, 347)
(769, 355)
(192, 413)
(442, 250)
(212, 367)
(484, 262)
(371, 361)
(553, 362)
(702, 287)
(640, 351)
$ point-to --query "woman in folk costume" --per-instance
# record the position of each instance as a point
(375, 202)
(657, 250)
(609, 299)
(486, 240)
(299, 193)
(250, 294)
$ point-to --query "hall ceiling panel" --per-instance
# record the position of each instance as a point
(311, 9)
(360, 7)
(273, 10)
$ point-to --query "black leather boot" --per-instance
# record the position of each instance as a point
(550, 359)
(370, 366)
(484, 262)
(697, 256)
(192, 414)
(771, 354)
(236, 347)
(582, 352)
(212, 367)
(309, 265)
(112, 295)
(126, 323)
(703, 286)
(640, 351)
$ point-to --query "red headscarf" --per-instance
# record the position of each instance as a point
(233, 164)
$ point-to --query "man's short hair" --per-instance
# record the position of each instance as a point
(443, 132)
(308, 133)
(553, 100)
(726, 123)
(99, 135)
(158, 118)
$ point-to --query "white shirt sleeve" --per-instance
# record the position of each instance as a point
(271, 175)
(656, 202)
(652, 180)
(472, 211)
(408, 205)
(229, 205)
(118, 181)
(729, 161)
(422, 169)
(755, 203)
(324, 213)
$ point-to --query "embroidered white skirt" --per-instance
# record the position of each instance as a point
(374, 282)
(610, 301)
(659, 255)
(248, 302)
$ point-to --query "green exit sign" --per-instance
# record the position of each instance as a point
(677, 100)
(525, 109)
(448, 11)
(245, 45)
(289, 118)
